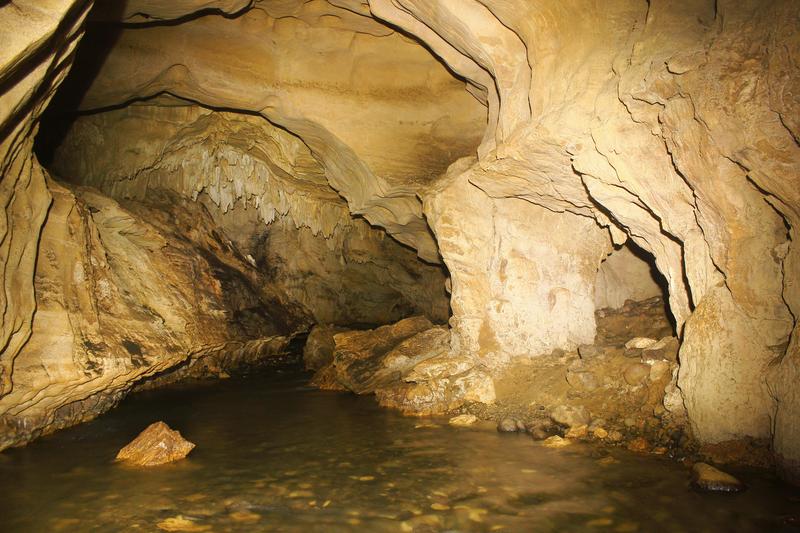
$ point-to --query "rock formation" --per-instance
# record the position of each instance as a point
(156, 445)
(338, 155)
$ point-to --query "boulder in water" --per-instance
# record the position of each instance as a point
(156, 445)
(709, 479)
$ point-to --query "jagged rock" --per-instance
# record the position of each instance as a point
(707, 478)
(426, 393)
(570, 416)
(408, 365)
(156, 445)
(368, 360)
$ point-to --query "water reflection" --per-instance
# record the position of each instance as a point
(273, 455)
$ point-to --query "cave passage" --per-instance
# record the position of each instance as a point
(452, 265)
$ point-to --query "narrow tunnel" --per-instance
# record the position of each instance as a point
(376, 265)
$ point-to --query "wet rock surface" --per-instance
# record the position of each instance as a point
(156, 445)
(408, 366)
(318, 350)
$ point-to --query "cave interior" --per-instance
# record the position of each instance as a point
(564, 219)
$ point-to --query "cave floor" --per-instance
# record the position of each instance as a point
(275, 455)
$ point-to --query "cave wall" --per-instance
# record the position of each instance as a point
(263, 186)
(377, 110)
(626, 274)
(123, 294)
(674, 125)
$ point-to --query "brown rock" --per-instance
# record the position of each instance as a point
(636, 373)
(318, 350)
(156, 445)
(659, 370)
(181, 523)
(571, 416)
(707, 478)
(639, 445)
(665, 349)
(639, 343)
(556, 442)
(588, 351)
(577, 432)
(582, 380)
(510, 425)
(372, 359)
(463, 420)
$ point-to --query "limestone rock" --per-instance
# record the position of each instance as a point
(588, 351)
(156, 445)
(181, 523)
(636, 373)
(463, 420)
(130, 292)
(556, 442)
(577, 432)
(624, 276)
(640, 343)
(318, 350)
(368, 360)
(658, 370)
(639, 445)
(707, 478)
(583, 380)
(665, 349)
(510, 425)
(571, 416)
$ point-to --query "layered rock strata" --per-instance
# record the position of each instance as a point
(269, 193)
(407, 365)
(128, 293)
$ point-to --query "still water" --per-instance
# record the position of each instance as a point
(274, 455)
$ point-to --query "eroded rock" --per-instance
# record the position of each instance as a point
(571, 416)
(636, 373)
(156, 445)
(463, 420)
(318, 350)
(707, 478)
